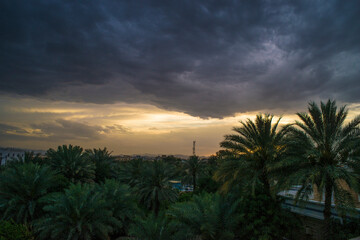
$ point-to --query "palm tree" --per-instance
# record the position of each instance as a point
(104, 163)
(71, 162)
(22, 188)
(207, 217)
(193, 168)
(130, 172)
(80, 213)
(154, 228)
(254, 149)
(324, 153)
(121, 202)
(154, 186)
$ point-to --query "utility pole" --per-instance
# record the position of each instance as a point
(194, 147)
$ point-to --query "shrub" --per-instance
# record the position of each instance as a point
(12, 231)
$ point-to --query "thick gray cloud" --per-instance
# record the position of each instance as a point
(60, 130)
(205, 58)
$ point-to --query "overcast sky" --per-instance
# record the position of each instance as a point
(152, 76)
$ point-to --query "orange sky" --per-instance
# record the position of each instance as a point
(123, 128)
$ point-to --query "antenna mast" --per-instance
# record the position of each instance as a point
(194, 147)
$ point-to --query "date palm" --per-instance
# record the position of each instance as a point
(71, 162)
(130, 172)
(207, 217)
(324, 152)
(80, 213)
(193, 167)
(154, 187)
(120, 201)
(104, 163)
(22, 187)
(253, 150)
(154, 228)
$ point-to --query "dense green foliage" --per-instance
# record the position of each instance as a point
(12, 231)
(193, 167)
(255, 148)
(120, 202)
(22, 187)
(207, 216)
(71, 162)
(154, 228)
(324, 153)
(265, 219)
(131, 172)
(154, 187)
(105, 164)
(80, 213)
(75, 194)
(348, 230)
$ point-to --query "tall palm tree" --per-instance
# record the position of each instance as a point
(193, 168)
(120, 201)
(324, 152)
(154, 187)
(71, 162)
(80, 213)
(130, 172)
(207, 217)
(104, 163)
(254, 149)
(21, 189)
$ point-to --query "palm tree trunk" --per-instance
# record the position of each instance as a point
(156, 205)
(265, 182)
(327, 209)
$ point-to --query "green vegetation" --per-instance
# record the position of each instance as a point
(255, 148)
(207, 216)
(324, 152)
(193, 167)
(22, 189)
(71, 162)
(154, 228)
(12, 231)
(104, 163)
(79, 194)
(78, 213)
(154, 187)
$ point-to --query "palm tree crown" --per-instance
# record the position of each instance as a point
(80, 213)
(207, 216)
(324, 153)
(71, 162)
(22, 187)
(104, 163)
(254, 149)
(155, 187)
(193, 167)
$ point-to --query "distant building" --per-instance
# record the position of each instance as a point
(8, 154)
(317, 196)
(123, 158)
(311, 211)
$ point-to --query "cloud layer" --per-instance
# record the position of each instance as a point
(204, 58)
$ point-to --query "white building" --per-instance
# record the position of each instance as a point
(8, 154)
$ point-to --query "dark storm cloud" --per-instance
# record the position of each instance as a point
(60, 129)
(8, 129)
(206, 58)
